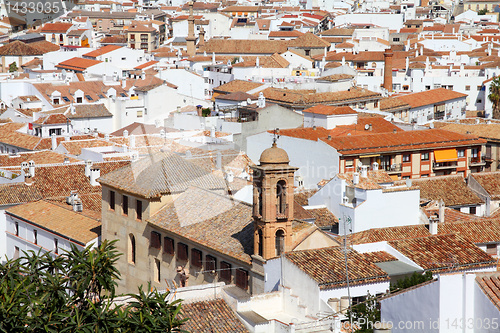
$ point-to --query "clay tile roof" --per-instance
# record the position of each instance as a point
(236, 96)
(369, 56)
(336, 77)
(18, 193)
(141, 28)
(379, 256)
(489, 283)
(283, 34)
(210, 316)
(372, 182)
(330, 110)
(77, 64)
(480, 231)
(39, 157)
(147, 64)
(161, 173)
(101, 51)
(443, 253)
(325, 266)
(237, 85)
(118, 39)
(490, 181)
(209, 219)
(18, 48)
(401, 141)
(451, 189)
(243, 46)
(482, 130)
(308, 40)
(338, 32)
(273, 61)
(52, 119)
(386, 234)
(54, 218)
(323, 218)
(389, 104)
(344, 45)
(58, 27)
(45, 46)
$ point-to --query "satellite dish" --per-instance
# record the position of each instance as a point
(367, 127)
(249, 101)
(431, 125)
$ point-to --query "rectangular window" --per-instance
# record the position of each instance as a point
(349, 163)
(56, 246)
(472, 210)
(138, 209)
(210, 263)
(16, 252)
(125, 205)
(157, 272)
(474, 152)
(491, 249)
(35, 236)
(168, 245)
(461, 153)
(196, 258)
(16, 228)
(155, 241)
(242, 278)
(182, 251)
(406, 157)
(112, 200)
(424, 156)
(467, 88)
(225, 271)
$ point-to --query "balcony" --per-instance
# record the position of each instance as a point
(476, 161)
(283, 214)
(391, 168)
(444, 165)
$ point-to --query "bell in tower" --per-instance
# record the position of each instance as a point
(273, 203)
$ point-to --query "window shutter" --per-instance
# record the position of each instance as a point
(168, 245)
(155, 240)
(196, 258)
(210, 263)
(242, 278)
(225, 273)
(182, 251)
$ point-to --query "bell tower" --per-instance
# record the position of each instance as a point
(272, 203)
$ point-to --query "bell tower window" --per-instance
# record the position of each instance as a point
(280, 242)
(261, 242)
(281, 197)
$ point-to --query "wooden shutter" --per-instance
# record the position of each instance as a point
(242, 278)
(210, 263)
(182, 251)
(196, 258)
(155, 240)
(168, 245)
(225, 272)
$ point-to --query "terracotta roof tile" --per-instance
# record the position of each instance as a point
(443, 253)
(39, 157)
(210, 316)
(17, 193)
(330, 110)
(237, 85)
(326, 267)
(431, 97)
(53, 119)
(379, 256)
(57, 27)
(451, 189)
(308, 40)
(49, 216)
(102, 50)
(243, 46)
(489, 283)
(77, 64)
(490, 181)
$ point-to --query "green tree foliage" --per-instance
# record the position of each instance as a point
(411, 281)
(365, 314)
(482, 11)
(494, 97)
(74, 292)
(13, 67)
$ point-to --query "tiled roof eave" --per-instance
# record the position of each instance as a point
(356, 282)
(47, 229)
(462, 267)
(145, 195)
(405, 147)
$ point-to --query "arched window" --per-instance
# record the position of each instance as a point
(261, 242)
(260, 200)
(280, 242)
(281, 197)
(131, 249)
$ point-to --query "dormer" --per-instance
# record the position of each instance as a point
(78, 96)
(55, 97)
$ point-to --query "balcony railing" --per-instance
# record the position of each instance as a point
(444, 165)
(283, 213)
(477, 160)
(394, 167)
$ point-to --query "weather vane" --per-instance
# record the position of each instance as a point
(276, 135)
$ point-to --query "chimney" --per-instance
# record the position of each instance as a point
(54, 141)
(72, 197)
(66, 160)
(28, 180)
(230, 176)
(72, 109)
(94, 174)
(125, 134)
(201, 38)
(355, 178)
(345, 200)
(261, 103)
(364, 171)
(218, 161)
(106, 137)
(374, 166)
(31, 168)
(88, 165)
(433, 225)
(131, 141)
(441, 211)
(212, 132)
(77, 205)
(143, 75)
(388, 69)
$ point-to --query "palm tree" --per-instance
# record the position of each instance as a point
(494, 97)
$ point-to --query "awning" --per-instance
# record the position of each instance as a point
(367, 156)
(445, 155)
